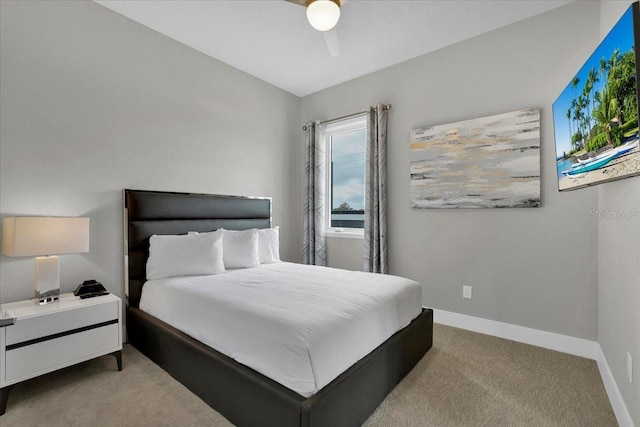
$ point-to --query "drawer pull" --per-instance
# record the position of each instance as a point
(60, 334)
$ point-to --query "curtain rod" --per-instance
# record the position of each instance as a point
(385, 107)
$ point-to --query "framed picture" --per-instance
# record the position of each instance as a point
(489, 162)
(595, 118)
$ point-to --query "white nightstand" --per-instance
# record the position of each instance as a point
(49, 337)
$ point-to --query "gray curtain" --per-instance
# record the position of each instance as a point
(313, 246)
(375, 205)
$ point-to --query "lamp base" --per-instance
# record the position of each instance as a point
(47, 297)
(47, 279)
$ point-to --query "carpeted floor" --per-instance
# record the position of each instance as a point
(466, 379)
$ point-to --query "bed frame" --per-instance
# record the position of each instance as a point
(244, 396)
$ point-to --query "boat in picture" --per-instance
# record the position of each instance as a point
(579, 170)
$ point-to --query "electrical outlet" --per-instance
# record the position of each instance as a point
(466, 292)
(630, 367)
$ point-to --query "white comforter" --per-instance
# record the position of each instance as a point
(299, 325)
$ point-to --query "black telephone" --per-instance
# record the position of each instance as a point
(90, 288)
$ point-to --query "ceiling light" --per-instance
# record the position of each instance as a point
(323, 15)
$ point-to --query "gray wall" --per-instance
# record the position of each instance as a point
(619, 266)
(93, 103)
(529, 267)
(345, 253)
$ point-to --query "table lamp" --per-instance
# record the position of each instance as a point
(44, 238)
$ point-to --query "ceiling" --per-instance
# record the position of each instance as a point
(272, 40)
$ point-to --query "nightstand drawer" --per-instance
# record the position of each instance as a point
(75, 317)
(36, 359)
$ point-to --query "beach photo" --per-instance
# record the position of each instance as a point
(596, 116)
(488, 162)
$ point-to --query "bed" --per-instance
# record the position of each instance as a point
(243, 395)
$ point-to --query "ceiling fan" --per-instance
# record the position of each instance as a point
(323, 15)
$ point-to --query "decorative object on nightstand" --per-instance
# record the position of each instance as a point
(38, 339)
(48, 236)
(90, 289)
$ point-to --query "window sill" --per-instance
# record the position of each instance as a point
(344, 234)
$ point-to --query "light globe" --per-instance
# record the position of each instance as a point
(323, 15)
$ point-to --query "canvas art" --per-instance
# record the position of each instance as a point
(595, 118)
(489, 162)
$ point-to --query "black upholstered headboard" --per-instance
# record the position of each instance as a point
(155, 212)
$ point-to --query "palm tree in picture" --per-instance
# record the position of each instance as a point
(610, 71)
(592, 79)
(614, 60)
(604, 67)
(569, 117)
(582, 120)
(574, 83)
(597, 99)
(607, 111)
(576, 119)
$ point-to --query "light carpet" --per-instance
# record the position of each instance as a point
(466, 379)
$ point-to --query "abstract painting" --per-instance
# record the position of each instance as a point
(489, 162)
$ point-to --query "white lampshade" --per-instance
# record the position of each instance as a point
(34, 236)
(51, 236)
(323, 15)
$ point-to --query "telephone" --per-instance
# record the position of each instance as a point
(90, 288)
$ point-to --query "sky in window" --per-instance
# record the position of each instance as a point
(347, 155)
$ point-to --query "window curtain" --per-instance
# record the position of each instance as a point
(375, 205)
(313, 246)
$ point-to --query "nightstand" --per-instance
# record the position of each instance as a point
(45, 338)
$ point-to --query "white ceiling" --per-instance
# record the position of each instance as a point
(272, 40)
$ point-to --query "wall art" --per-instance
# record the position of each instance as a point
(595, 118)
(488, 162)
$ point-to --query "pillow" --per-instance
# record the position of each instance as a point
(184, 255)
(240, 248)
(269, 245)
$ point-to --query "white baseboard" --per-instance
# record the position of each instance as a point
(617, 403)
(552, 341)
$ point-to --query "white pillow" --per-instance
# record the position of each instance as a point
(269, 245)
(185, 255)
(240, 248)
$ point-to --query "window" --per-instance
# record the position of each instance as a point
(346, 143)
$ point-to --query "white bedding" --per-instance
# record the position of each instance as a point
(299, 325)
